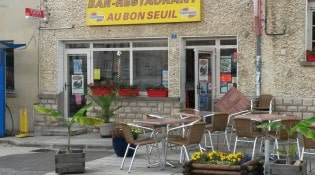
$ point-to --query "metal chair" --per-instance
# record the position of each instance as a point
(263, 104)
(308, 144)
(217, 126)
(281, 136)
(139, 142)
(192, 136)
(245, 132)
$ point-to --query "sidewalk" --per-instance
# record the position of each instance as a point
(109, 165)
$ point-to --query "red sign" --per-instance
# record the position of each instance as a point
(225, 78)
(34, 13)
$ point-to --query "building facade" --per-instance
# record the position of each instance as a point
(197, 49)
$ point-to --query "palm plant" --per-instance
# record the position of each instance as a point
(79, 117)
(105, 103)
(302, 127)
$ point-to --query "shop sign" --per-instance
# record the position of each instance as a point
(120, 12)
(34, 13)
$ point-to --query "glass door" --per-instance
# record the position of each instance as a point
(204, 78)
(76, 80)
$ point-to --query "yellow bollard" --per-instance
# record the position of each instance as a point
(23, 124)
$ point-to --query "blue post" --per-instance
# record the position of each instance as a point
(2, 92)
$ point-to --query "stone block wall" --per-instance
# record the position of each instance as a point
(300, 107)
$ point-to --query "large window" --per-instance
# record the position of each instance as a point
(130, 62)
(311, 26)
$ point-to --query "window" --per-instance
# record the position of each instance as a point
(9, 53)
(311, 26)
(134, 62)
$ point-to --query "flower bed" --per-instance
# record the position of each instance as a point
(213, 163)
(310, 56)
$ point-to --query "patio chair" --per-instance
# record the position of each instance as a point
(192, 136)
(245, 133)
(263, 104)
(308, 148)
(281, 136)
(136, 143)
(217, 126)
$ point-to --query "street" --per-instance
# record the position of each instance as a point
(35, 161)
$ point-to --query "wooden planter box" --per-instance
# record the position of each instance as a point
(279, 167)
(100, 91)
(252, 167)
(157, 93)
(70, 162)
(128, 92)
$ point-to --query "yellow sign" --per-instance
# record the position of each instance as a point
(117, 12)
(97, 74)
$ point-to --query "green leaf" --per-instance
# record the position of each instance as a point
(48, 111)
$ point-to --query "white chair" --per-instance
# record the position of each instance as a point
(309, 149)
(245, 133)
(217, 126)
(138, 142)
(192, 136)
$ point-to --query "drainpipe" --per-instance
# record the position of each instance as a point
(257, 14)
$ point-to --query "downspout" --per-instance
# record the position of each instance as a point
(257, 15)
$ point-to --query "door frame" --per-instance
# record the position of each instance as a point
(89, 61)
(214, 67)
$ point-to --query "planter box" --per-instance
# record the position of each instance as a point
(70, 162)
(157, 93)
(279, 167)
(128, 92)
(100, 91)
(310, 57)
(254, 166)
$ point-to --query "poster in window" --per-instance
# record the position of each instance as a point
(77, 66)
(203, 70)
(225, 64)
(223, 88)
(77, 84)
(203, 87)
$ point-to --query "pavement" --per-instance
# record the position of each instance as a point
(108, 165)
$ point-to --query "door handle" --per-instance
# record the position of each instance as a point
(67, 85)
(198, 89)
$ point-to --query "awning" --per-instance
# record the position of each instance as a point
(6, 45)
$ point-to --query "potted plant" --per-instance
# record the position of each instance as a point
(106, 112)
(216, 162)
(125, 90)
(70, 161)
(119, 141)
(302, 128)
(101, 88)
(156, 91)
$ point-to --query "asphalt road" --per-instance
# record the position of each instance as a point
(34, 161)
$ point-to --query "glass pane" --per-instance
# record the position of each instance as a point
(157, 43)
(77, 45)
(148, 66)
(228, 68)
(228, 42)
(313, 17)
(200, 42)
(313, 33)
(107, 63)
(111, 45)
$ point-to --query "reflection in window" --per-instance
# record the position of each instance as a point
(9, 70)
(146, 64)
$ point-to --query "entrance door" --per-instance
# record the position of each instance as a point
(76, 80)
(204, 78)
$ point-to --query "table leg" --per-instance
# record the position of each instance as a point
(267, 166)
